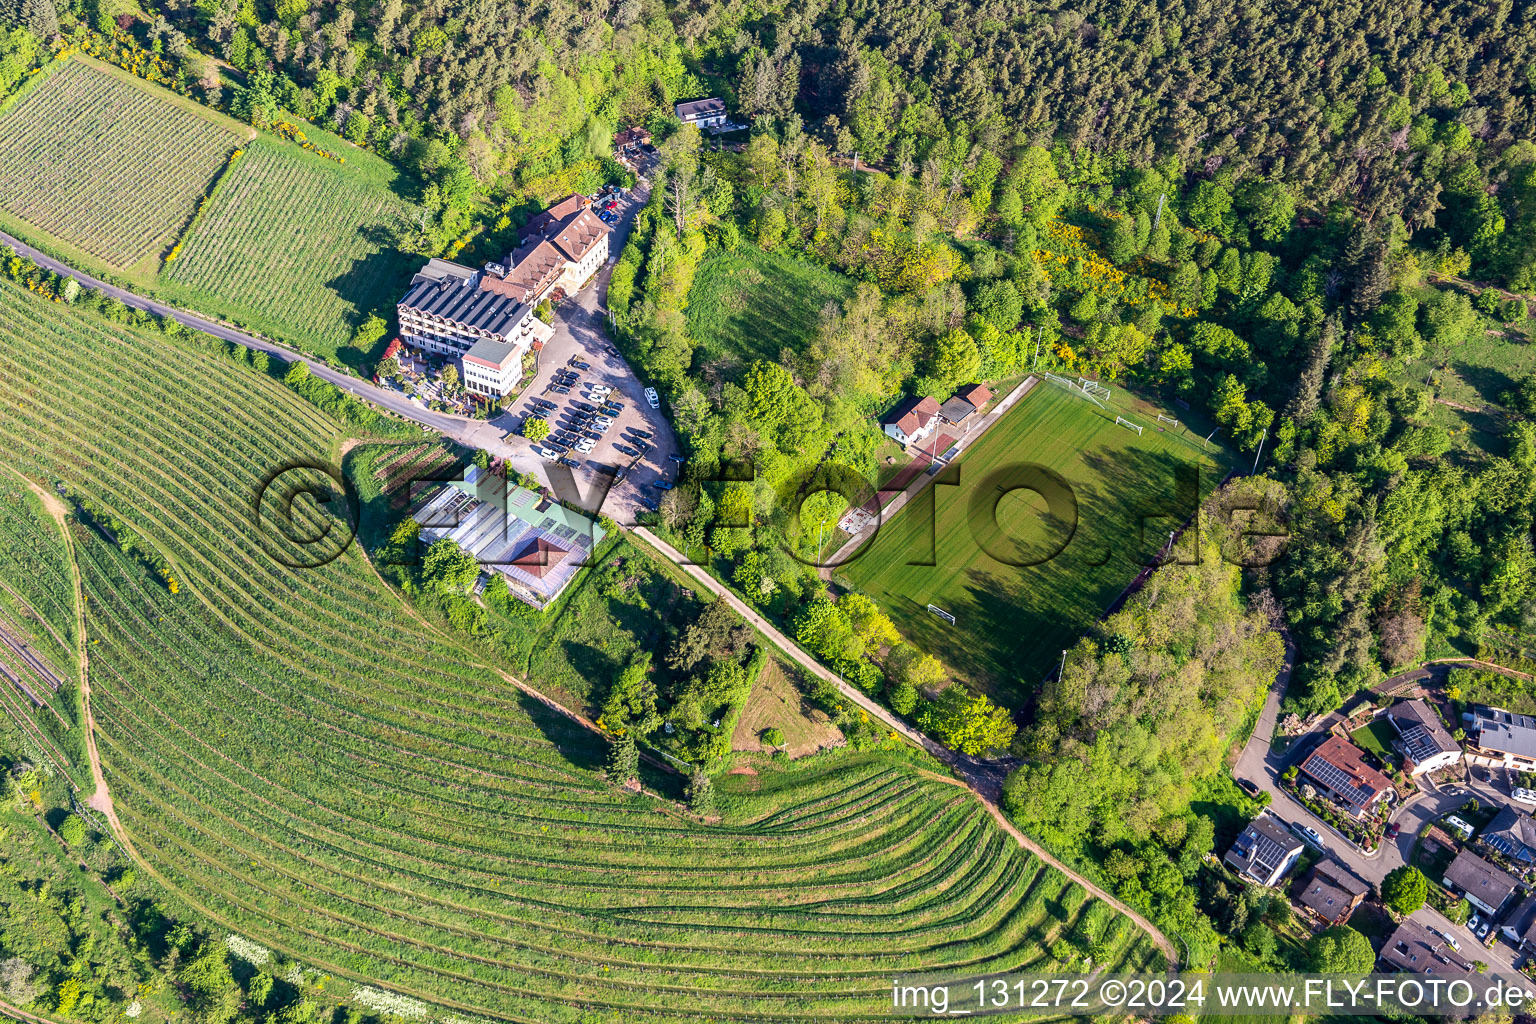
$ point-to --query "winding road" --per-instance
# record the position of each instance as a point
(983, 778)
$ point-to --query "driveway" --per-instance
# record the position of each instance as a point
(581, 331)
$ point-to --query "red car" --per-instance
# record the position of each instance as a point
(611, 205)
(1393, 829)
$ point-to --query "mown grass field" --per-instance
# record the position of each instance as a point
(747, 304)
(301, 759)
(298, 247)
(105, 165)
(1024, 578)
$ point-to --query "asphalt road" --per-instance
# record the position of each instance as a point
(1260, 764)
(579, 328)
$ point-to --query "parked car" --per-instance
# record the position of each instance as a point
(652, 397)
(1308, 833)
(585, 445)
(1483, 929)
(583, 406)
(1393, 829)
(560, 389)
(614, 408)
(637, 432)
(624, 449)
(663, 485)
(604, 422)
(676, 458)
(577, 362)
(1473, 922)
(546, 453)
(611, 204)
(599, 391)
(1248, 786)
(644, 446)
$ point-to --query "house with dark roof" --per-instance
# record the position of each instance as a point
(1485, 886)
(1519, 925)
(449, 310)
(964, 403)
(1513, 834)
(1265, 851)
(627, 142)
(1337, 769)
(912, 420)
(537, 545)
(1421, 737)
(1330, 892)
(1415, 949)
(1501, 739)
(704, 113)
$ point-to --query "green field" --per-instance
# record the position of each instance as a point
(296, 246)
(299, 758)
(104, 165)
(747, 304)
(1017, 605)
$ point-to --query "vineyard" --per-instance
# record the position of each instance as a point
(104, 164)
(296, 247)
(302, 760)
(38, 634)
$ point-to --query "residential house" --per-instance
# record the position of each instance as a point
(1486, 887)
(1331, 892)
(1519, 925)
(912, 420)
(964, 404)
(1338, 769)
(1416, 949)
(1422, 738)
(537, 545)
(1512, 833)
(1265, 851)
(627, 143)
(1501, 739)
(704, 113)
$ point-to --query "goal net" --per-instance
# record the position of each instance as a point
(941, 613)
(1127, 424)
(1097, 395)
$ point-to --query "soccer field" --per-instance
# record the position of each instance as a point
(1029, 536)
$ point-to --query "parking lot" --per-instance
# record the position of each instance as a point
(634, 459)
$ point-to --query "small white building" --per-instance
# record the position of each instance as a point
(492, 368)
(708, 113)
(912, 420)
(1422, 738)
(1265, 852)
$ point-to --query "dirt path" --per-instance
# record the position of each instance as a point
(975, 777)
(100, 798)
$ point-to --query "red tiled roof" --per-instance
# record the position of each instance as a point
(977, 394)
(913, 414)
(1349, 759)
(539, 557)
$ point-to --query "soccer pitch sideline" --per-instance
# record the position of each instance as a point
(1028, 536)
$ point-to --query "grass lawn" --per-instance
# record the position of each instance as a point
(1025, 587)
(1375, 736)
(776, 701)
(748, 304)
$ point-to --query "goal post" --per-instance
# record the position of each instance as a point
(941, 613)
(1168, 420)
(1121, 421)
(1094, 392)
(1093, 389)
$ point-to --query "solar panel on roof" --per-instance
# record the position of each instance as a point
(1337, 780)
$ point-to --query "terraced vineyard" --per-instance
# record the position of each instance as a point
(295, 246)
(38, 633)
(104, 164)
(306, 763)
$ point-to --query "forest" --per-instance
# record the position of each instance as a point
(1312, 225)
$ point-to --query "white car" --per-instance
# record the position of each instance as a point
(585, 445)
(652, 397)
(603, 422)
(546, 453)
(600, 391)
